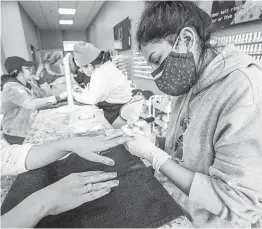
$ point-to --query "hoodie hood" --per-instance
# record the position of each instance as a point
(229, 60)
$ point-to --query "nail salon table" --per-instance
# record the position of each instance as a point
(53, 124)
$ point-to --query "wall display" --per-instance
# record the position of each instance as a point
(226, 13)
(55, 58)
(122, 35)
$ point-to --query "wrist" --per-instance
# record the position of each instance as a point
(159, 157)
(40, 206)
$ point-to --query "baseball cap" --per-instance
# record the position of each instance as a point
(15, 62)
(85, 53)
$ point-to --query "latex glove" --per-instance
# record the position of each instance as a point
(75, 190)
(143, 147)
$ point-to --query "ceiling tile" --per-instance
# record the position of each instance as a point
(45, 13)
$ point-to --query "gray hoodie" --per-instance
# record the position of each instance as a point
(222, 143)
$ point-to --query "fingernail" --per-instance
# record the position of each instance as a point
(108, 190)
(111, 162)
(114, 174)
(116, 182)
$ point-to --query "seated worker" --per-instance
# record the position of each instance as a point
(67, 193)
(19, 100)
(109, 88)
(81, 78)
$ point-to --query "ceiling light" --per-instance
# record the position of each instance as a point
(66, 11)
(66, 22)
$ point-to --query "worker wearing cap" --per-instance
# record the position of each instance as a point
(109, 88)
(19, 100)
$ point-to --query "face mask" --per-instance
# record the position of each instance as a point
(177, 73)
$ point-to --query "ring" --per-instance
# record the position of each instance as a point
(89, 187)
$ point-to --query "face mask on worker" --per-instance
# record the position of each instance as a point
(177, 73)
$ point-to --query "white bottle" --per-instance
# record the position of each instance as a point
(259, 50)
(258, 36)
(255, 37)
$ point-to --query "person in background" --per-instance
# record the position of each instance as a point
(67, 193)
(45, 71)
(81, 78)
(109, 88)
(214, 133)
(19, 100)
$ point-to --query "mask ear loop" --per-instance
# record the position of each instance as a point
(174, 46)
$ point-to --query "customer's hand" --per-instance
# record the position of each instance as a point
(89, 148)
(75, 190)
(63, 96)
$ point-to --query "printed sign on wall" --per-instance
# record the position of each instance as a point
(225, 13)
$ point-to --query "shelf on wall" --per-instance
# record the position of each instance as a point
(161, 107)
(160, 123)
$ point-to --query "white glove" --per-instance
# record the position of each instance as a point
(143, 147)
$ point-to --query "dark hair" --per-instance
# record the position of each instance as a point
(102, 58)
(9, 77)
(164, 19)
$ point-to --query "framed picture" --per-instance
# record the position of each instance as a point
(55, 58)
(226, 13)
(122, 35)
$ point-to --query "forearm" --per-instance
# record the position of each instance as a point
(26, 214)
(37, 103)
(179, 175)
(85, 98)
(42, 155)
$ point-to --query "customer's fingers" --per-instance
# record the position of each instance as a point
(98, 178)
(112, 135)
(98, 186)
(100, 159)
(94, 195)
(118, 141)
(102, 185)
(90, 173)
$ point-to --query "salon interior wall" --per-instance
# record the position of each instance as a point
(31, 34)
(12, 30)
(100, 32)
(53, 39)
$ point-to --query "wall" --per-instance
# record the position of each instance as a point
(31, 33)
(2, 67)
(53, 39)
(13, 37)
(100, 32)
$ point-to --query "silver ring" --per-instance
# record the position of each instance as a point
(89, 187)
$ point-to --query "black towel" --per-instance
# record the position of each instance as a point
(139, 200)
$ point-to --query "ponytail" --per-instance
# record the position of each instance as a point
(9, 77)
(102, 58)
